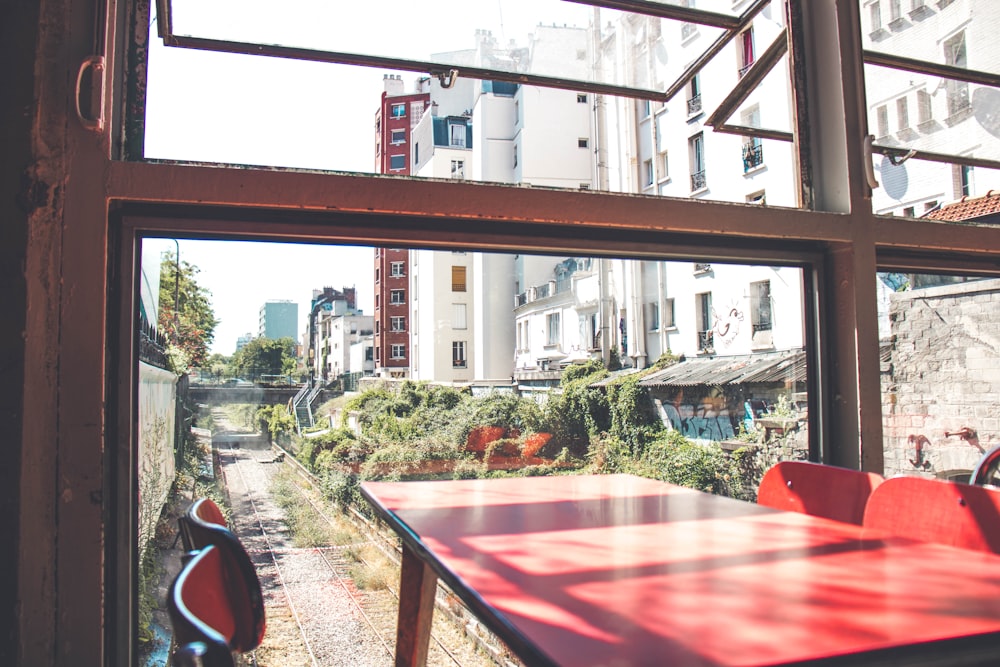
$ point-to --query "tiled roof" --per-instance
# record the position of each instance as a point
(968, 208)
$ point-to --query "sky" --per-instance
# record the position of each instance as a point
(252, 110)
(242, 275)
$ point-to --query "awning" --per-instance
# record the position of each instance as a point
(758, 368)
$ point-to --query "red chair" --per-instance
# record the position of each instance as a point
(204, 525)
(933, 510)
(987, 469)
(817, 489)
(212, 609)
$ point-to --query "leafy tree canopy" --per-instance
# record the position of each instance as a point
(264, 356)
(189, 323)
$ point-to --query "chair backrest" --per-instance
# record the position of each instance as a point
(203, 525)
(818, 489)
(933, 510)
(987, 468)
(201, 521)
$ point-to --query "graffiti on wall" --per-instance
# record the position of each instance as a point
(727, 325)
(701, 422)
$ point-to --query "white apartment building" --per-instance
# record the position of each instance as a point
(569, 309)
(337, 333)
(932, 114)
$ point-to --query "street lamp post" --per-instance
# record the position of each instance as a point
(177, 286)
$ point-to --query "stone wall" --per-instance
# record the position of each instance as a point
(941, 375)
(157, 408)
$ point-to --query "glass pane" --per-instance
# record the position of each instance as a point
(374, 363)
(949, 32)
(936, 191)
(940, 372)
(718, 348)
(212, 107)
(933, 114)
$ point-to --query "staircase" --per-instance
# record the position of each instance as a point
(301, 405)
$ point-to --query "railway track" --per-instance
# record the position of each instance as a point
(318, 615)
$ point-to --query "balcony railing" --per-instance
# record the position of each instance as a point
(753, 155)
(745, 69)
(705, 341)
(702, 268)
(698, 181)
(694, 105)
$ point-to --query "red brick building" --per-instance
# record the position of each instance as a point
(395, 119)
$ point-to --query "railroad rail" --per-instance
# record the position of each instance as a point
(378, 609)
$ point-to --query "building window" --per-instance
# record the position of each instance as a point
(397, 323)
(696, 151)
(875, 16)
(758, 197)
(964, 179)
(760, 305)
(582, 142)
(456, 135)
(664, 165)
(397, 351)
(958, 91)
(645, 108)
(515, 155)
(398, 111)
(458, 279)
(703, 317)
(902, 113)
(581, 98)
(895, 11)
(458, 169)
(552, 329)
(458, 313)
(924, 111)
(746, 51)
(694, 95)
(397, 296)
(397, 270)
(397, 162)
(458, 354)
(647, 173)
(653, 316)
(882, 120)
(398, 137)
(668, 314)
(753, 148)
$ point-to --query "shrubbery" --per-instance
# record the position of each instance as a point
(424, 431)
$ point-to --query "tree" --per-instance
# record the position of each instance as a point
(189, 324)
(264, 356)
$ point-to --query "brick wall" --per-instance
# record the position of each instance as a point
(941, 374)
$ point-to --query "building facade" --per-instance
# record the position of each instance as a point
(279, 319)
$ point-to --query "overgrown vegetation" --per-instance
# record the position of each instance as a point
(421, 431)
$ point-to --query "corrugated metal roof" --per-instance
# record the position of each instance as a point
(615, 375)
(788, 366)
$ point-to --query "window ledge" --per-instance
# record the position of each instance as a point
(898, 24)
(755, 170)
(878, 34)
(695, 116)
(699, 191)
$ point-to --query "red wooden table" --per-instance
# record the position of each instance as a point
(620, 571)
